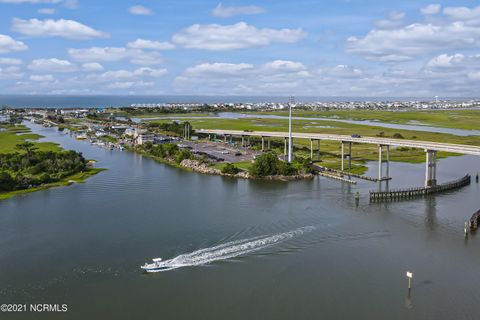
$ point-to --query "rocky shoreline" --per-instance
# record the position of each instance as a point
(204, 168)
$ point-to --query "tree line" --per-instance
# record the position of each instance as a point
(31, 167)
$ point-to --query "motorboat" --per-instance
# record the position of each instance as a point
(156, 266)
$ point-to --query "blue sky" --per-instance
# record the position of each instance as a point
(317, 48)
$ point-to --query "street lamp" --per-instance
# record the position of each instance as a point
(290, 146)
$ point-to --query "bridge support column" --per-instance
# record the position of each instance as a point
(311, 149)
(268, 143)
(285, 150)
(349, 155)
(209, 138)
(263, 144)
(388, 162)
(225, 138)
(343, 155)
(318, 150)
(231, 139)
(243, 141)
(380, 159)
(431, 168)
(248, 141)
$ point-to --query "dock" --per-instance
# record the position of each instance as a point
(401, 194)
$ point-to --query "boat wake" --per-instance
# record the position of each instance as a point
(229, 250)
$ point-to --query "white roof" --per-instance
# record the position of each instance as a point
(157, 259)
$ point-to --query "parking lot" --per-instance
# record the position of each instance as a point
(222, 150)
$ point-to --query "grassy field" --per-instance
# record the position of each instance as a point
(20, 133)
(171, 115)
(456, 119)
(76, 178)
(330, 150)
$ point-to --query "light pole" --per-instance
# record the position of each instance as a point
(290, 146)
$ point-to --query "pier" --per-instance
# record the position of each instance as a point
(401, 194)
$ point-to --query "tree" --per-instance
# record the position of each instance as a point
(6, 181)
(28, 147)
(184, 154)
(230, 168)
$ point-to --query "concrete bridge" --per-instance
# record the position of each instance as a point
(431, 148)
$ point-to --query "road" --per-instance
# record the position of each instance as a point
(427, 145)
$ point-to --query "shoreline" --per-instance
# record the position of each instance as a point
(195, 166)
(79, 177)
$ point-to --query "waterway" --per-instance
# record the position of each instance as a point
(247, 249)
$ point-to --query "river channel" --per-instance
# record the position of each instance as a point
(249, 249)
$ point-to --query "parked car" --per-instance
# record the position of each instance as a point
(356, 135)
(238, 153)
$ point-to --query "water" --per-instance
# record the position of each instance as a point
(230, 250)
(308, 250)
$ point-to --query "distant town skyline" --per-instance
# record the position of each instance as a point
(302, 48)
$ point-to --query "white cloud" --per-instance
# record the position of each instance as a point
(283, 65)
(149, 72)
(394, 20)
(140, 10)
(149, 44)
(274, 77)
(415, 39)
(69, 29)
(341, 71)
(124, 75)
(42, 78)
(445, 61)
(46, 11)
(8, 44)
(474, 75)
(52, 65)
(236, 36)
(92, 67)
(116, 75)
(110, 54)
(145, 58)
(470, 16)
(225, 12)
(431, 9)
(218, 68)
(10, 61)
(9, 73)
(70, 4)
(99, 54)
(130, 85)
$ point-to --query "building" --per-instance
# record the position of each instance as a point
(144, 138)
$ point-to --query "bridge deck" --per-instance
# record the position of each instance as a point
(427, 145)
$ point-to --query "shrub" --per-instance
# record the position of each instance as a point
(268, 164)
(182, 155)
(398, 136)
(230, 168)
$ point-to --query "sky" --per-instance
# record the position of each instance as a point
(349, 48)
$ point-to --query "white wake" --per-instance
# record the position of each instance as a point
(230, 249)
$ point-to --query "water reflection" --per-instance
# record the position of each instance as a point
(431, 212)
